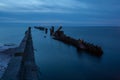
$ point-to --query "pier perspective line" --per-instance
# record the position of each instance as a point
(22, 66)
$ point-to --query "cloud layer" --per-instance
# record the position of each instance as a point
(61, 11)
(41, 5)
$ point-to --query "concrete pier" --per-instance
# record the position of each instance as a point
(22, 66)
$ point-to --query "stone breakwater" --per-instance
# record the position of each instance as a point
(22, 66)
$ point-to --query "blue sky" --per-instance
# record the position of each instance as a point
(61, 12)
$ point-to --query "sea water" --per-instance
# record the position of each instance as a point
(58, 61)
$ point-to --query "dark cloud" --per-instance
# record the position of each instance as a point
(96, 12)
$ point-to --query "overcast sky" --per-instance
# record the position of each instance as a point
(68, 12)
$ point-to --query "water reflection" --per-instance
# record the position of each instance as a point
(90, 57)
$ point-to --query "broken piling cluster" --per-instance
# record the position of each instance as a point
(81, 45)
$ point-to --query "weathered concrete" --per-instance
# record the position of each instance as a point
(22, 66)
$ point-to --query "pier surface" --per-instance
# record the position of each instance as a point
(22, 66)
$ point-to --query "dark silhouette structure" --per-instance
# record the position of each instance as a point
(81, 45)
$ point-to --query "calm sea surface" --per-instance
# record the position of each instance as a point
(58, 61)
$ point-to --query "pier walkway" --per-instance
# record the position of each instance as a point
(22, 66)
